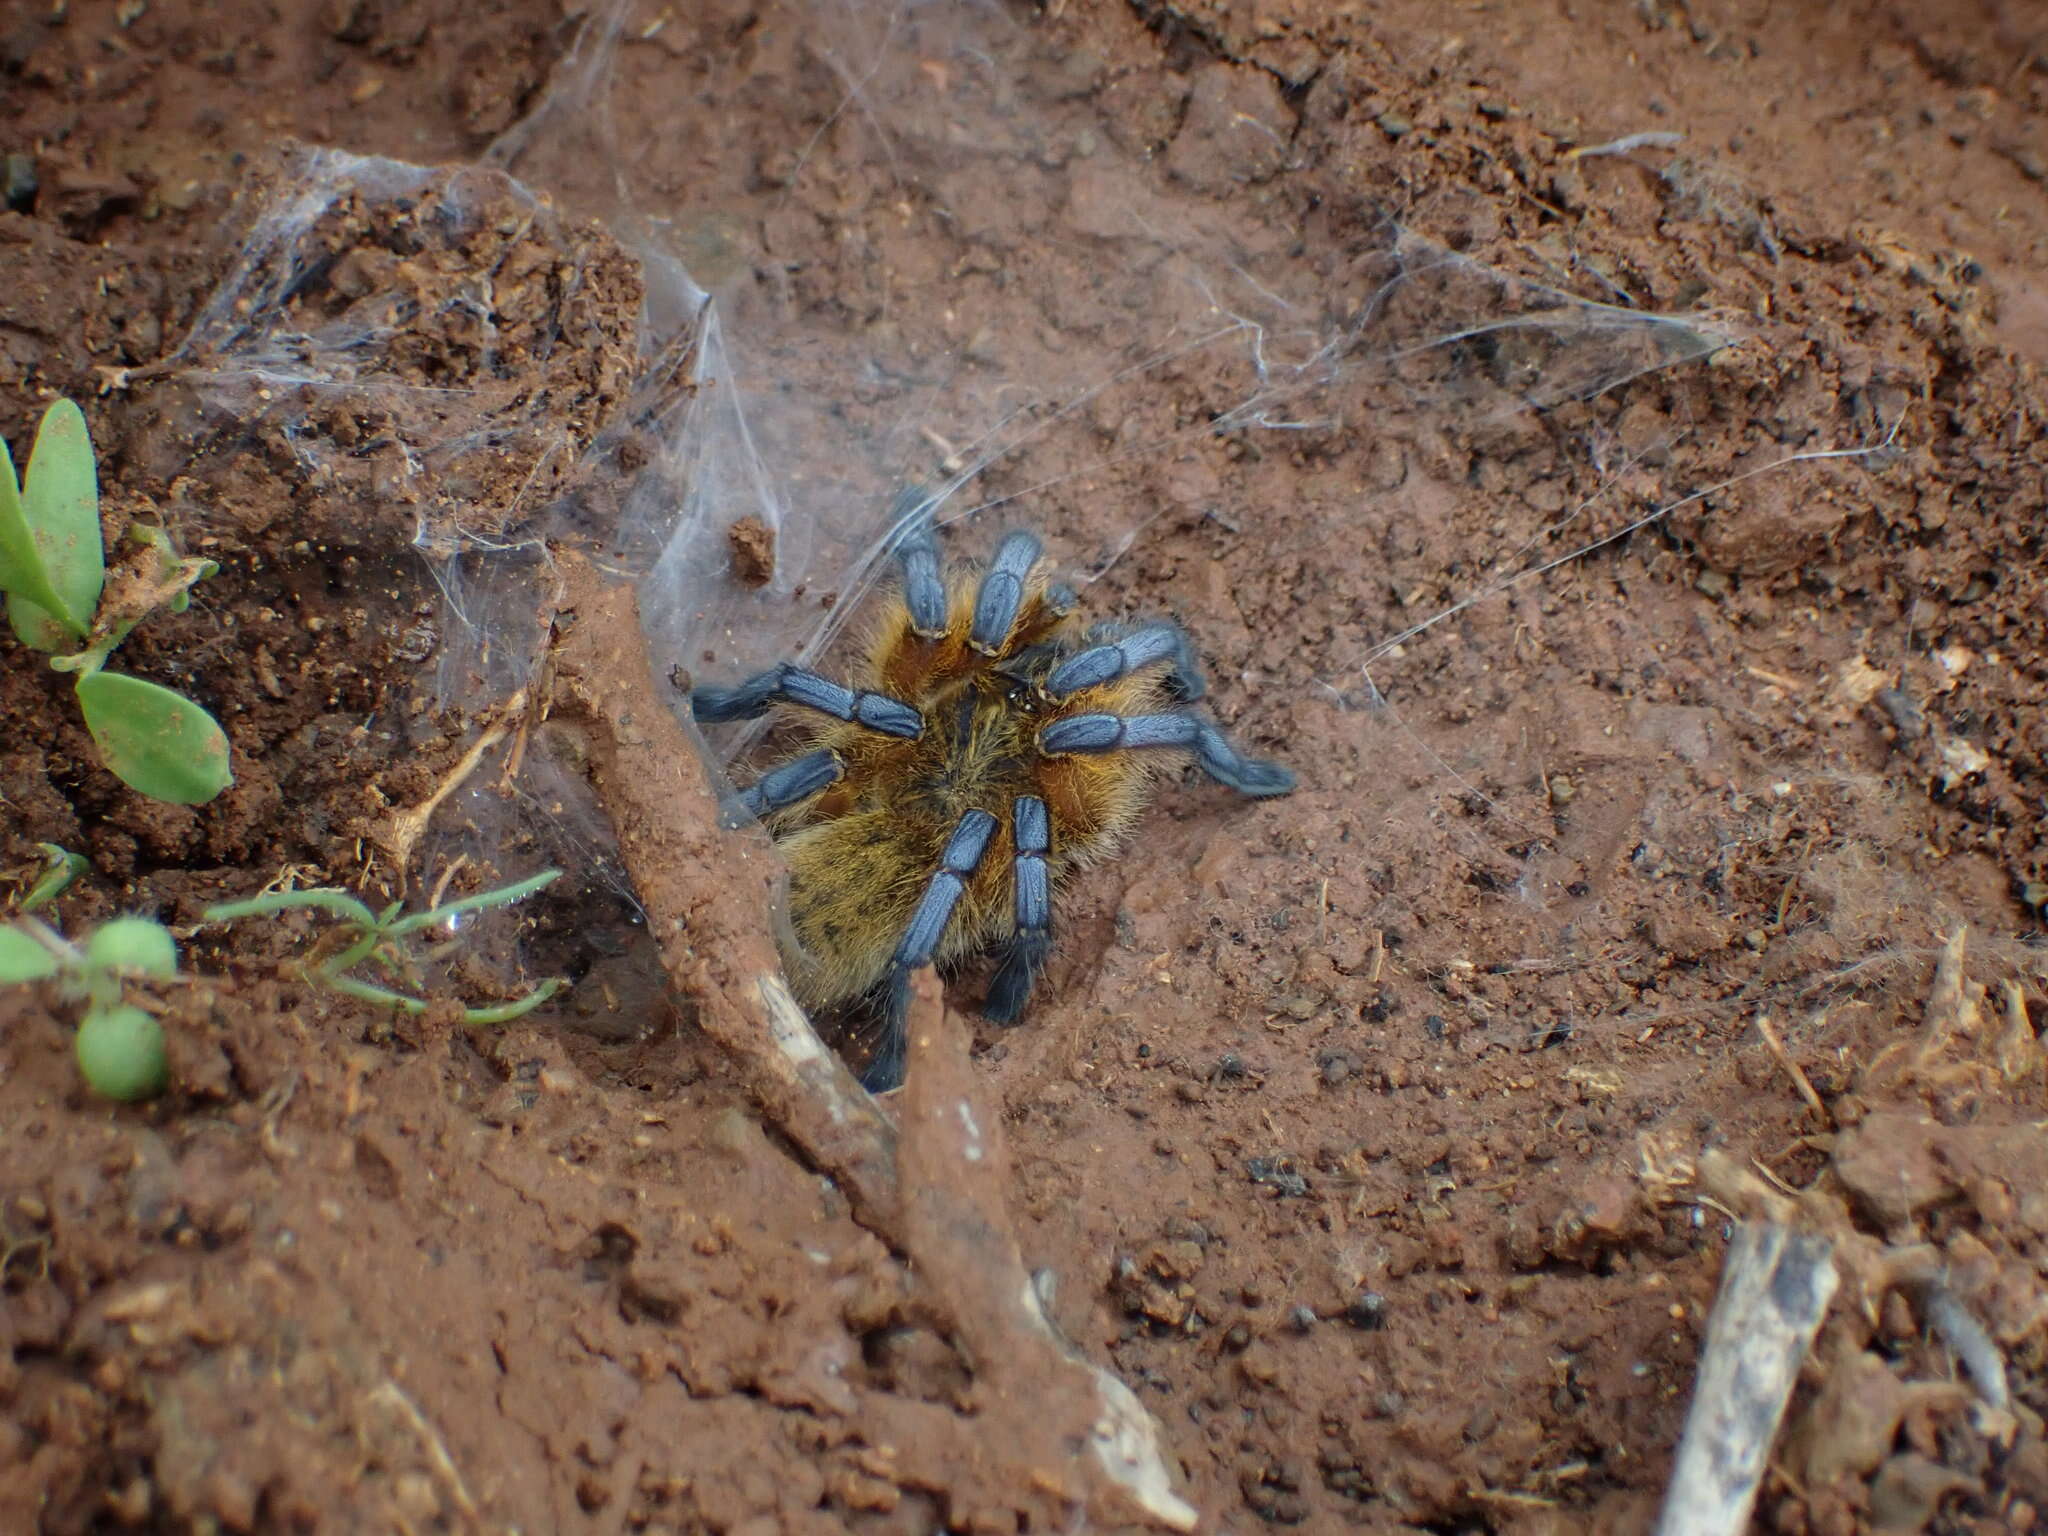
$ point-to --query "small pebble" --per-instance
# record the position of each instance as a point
(414, 1494)
(18, 182)
(1368, 1311)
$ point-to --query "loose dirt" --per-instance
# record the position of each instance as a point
(1382, 1140)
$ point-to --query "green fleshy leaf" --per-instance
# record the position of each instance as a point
(23, 959)
(60, 506)
(155, 740)
(61, 495)
(133, 945)
(121, 1053)
(23, 577)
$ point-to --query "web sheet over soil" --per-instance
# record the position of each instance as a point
(1362, 1132)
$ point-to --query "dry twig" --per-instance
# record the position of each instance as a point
(1775, 1288)
(708, 893)
(1046, 1397)
(1769, 1031)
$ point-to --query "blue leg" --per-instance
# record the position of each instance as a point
(1257, 776)
(1191, 733)
(885, 1067)
(1001, 593)
(788, 684)
(924, 589)
(791, 782)
(1031, 831)
(1121, 653)
(920, 941)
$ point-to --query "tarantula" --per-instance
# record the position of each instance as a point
(991, 746)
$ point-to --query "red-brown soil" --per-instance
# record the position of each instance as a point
(1361, 1130)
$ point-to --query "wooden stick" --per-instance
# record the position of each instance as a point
(708, 893)
(1775, 1289)
(1037, 1396)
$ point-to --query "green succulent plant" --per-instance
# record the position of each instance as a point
(53, 570)
(119, 1047)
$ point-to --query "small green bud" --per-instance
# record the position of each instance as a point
(133, 945)
(121, 1053)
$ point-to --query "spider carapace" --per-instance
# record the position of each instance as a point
(991, 745)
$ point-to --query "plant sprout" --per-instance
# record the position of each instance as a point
(63, 867)
(119, 1047)
(53, 571)
(381, 939)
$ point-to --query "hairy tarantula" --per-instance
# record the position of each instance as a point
(991, 746)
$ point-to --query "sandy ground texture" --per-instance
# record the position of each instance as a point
(1368, 1156)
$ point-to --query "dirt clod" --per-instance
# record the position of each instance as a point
(753, 551)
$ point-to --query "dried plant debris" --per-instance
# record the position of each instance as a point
(1775, 1289)
(1925, 1384)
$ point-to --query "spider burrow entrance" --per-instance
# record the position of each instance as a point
(988, 746)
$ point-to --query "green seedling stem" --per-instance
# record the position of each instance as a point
(339, 903)
(504, 896)
(375, 938)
